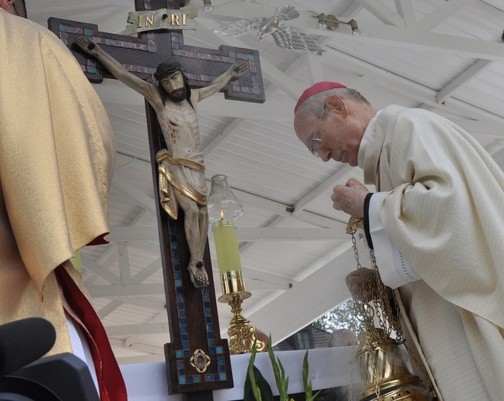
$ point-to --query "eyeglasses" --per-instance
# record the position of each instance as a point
(315, 143)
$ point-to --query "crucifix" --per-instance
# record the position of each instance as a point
(197, 359)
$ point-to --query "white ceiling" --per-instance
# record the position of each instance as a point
(443, 55)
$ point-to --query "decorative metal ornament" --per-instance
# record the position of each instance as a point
(283, 35)
(200, 361)
(382, 365)
(241, 332)
(331, 23)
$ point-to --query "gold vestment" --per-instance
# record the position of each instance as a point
(56, 160)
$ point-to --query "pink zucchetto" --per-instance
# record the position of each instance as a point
(316, 88)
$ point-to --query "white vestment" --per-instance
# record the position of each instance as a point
(440, 205)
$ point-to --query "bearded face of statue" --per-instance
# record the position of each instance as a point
(178, 95)
(174, 86)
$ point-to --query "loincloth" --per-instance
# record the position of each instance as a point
(183, 175)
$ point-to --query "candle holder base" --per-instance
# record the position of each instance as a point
(241, 333)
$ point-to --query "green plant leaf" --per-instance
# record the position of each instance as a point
(307, 384)
(260, 390)
(256, 387)
(279, 372)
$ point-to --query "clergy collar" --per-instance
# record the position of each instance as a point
(366, 138)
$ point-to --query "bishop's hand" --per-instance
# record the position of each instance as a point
(350, 198)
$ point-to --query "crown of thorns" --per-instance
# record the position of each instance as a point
(167, 68)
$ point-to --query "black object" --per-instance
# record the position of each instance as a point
(25, 376)
(23, 342)
(62, 377)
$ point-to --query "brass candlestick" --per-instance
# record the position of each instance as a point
(241, 333)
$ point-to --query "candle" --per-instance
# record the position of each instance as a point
(226, 246)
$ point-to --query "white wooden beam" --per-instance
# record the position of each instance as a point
(270, 111)
(378, 33)
(322, 187)
(440, 14)
(109, 308)
(262, 285)
(406, 11)
(118, 291)
(315, 67)
(91, 265)
(147, 303)
(127, 233)
(136, 329)
(154, 353)
(382, 11)
(282, 209)
(470, 73)
(149, 357)
(217, 105)
(407, 87)
(144, 200)
(291, 234)
(238, 10)
(351, 10)
(480, 128)
(124, 265)
(132, 339)
(311, 298)
(254, 275)
(220, 138)
(147, 272)
(112, 91)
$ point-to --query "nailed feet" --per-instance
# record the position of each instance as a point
(198, 274)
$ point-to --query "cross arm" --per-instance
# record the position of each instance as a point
(141, 55)
(234, 72)
(148, 90)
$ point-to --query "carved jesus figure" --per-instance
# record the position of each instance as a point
(181, 170)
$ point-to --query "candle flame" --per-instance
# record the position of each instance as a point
(222, 214)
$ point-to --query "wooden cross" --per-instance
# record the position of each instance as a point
(20, 7)
(197, 359)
